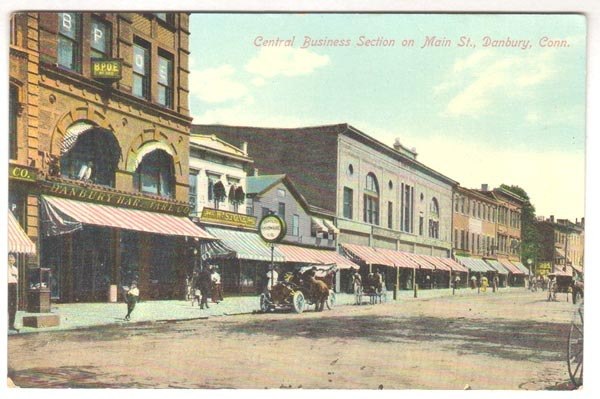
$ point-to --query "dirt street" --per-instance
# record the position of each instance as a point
(512, 340)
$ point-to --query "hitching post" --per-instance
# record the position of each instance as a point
(415, 282)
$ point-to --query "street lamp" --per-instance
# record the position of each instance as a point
(529, 262)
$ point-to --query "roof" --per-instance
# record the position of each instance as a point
(260, 184)
(214, 144)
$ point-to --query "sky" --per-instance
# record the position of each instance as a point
(476, 110)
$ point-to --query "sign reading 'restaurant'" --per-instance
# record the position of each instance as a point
(106, 69)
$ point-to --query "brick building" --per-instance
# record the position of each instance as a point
(561, 245)
(100, 128)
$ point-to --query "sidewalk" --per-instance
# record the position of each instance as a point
(87, 315)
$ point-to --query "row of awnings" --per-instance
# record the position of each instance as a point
(500, 266)
(400, 259)
(249, 246)
(324, 225)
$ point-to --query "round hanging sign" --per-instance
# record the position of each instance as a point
(271, 228)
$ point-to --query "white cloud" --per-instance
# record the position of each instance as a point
(258, 81)
(246, 115)
(493, 78)
(285, 61)
(215, 85)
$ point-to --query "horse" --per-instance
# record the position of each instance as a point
(319, 292)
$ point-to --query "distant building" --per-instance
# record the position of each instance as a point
(562, 244)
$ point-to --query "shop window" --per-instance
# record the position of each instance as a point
(12, 120)
(100, 39)
(93, 157)
(165, 79)
(295, 225)
(155, 175)
(141, 69)
(371, 200)
(193, 192)
(348, 193)
(69, 41)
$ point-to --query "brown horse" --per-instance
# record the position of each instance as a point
(319, 292)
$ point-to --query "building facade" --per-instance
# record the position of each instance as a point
(475, 218)
(101, 123)
(561, 245)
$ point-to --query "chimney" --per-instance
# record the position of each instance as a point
(245, 148)
(484, 187)
(551, 218)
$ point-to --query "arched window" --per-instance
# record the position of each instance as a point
(371, 200)
(155, 175)
(434, 219)
(90, 153)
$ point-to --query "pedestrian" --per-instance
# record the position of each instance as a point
(132, 296)
(473, 282)
(204, 283)
(356, 281)
(496, 281)
(13, 279)
(217, 290)
(272, 277)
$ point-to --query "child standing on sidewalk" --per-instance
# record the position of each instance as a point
(132, 296)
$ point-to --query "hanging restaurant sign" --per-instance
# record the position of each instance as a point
(72, 191)
(210, 215)
(106, 69)
(272, 228)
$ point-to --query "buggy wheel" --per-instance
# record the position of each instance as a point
(575, 348)
(265, 303)
(298, 302)
(330, 300)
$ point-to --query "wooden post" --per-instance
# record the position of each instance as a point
(397, 286)
(68, 252)
(145, 248)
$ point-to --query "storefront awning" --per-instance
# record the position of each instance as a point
(367, 254)
(318, 225)
(332, 228)
(18, 241)
(400, 259)
(496, 265)
(246, 244)
(511, 268)
(521, 267)
(294, 253)
(475, 265)
(454, 266)
(578, 268)
(65, 215)
(559, 252)
(421, 261)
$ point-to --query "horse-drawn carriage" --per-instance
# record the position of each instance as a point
(308, 285)
(372, 287)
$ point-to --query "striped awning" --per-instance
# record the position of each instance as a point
(521, 267)
(66, 211)
(294, 253)
(437, 262)
(475, 265)
(421, 261)
(578, 268)
(72, 134)
(508, 264)
(454, 265)
(18, 241)
(400, 259)
(332, 227)
(318, 225)
(496, 265)
(246, 244)
(367, 254)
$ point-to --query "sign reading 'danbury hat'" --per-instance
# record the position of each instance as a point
(271, 228)
(106, 69)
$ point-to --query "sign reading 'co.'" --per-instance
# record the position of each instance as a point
(272, 228)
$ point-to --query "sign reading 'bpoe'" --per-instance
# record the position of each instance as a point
(107, 69)
(228, 218)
